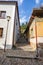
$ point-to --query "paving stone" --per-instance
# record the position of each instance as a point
(18, 61)
(20, 53)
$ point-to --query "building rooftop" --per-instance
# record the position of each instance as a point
(8, 2)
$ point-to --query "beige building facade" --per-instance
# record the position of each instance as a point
(34, 31)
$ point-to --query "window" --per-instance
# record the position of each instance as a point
(2, 14)
(1, 32)
(31, 33)
(32, 30)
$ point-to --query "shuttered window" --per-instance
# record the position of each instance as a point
(1, 32)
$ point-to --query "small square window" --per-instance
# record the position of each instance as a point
(2, 14)
(1, 32)
(32, 31)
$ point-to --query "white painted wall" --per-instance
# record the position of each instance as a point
(33, 42)
(17, 28)
(39, 40)
(10, 11)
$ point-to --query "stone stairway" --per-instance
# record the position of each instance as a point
(20, 53)
(22, 39)
(15, 57)
(23, 44)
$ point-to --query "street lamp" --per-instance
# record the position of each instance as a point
(8, 19)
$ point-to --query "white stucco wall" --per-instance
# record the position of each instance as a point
(32, 26)
(33, 42)
(39, 40)
(10, 11)
(17, 28)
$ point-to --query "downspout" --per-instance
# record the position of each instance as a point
(36, 38)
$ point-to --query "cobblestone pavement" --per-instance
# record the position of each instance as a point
(18, 61)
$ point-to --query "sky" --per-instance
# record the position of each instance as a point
(26, 7)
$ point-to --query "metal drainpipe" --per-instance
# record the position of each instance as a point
(36, 38)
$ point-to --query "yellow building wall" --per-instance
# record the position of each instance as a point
(39, 29)
(31, 34)
(32, 30)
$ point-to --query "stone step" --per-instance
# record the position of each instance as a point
(20, 53)
(22, 40)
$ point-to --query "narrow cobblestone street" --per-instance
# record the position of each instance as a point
(12, 60)
(21, 55)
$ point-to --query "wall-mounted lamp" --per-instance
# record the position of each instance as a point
(8, 18)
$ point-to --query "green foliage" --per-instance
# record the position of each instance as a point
(23, 27)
